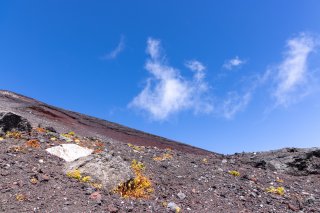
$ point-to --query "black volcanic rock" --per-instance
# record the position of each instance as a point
(292, 161)
(10, 121)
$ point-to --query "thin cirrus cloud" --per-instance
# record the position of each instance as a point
(198, 68)
(292, 76)
(116, 51)
(167, 92)
(233, 63)
(234, 103)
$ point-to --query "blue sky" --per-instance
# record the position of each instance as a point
(226, 76)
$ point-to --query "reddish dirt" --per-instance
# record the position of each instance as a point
(38, 112)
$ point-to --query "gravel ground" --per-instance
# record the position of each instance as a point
(32, 180)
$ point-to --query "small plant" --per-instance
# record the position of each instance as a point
(137, 167)
(234, 173)
(276, 190)
(138, 187)
(165, 156)
(21, 197)
(75, 174)
(86, 179)
(34, 180)
(33, 144)
(14, 134)
(16, 149)
(41, 130)
(53, 138)
(279, 180)
(136, 148)
(96, 185)
(205, 160)
(69, 135)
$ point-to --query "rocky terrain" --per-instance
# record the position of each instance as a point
(54, 160)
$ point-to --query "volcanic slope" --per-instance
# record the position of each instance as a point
(122, 175)
(63, 120)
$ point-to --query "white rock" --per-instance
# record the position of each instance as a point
(173, 207)
(181, 195)
(69, 152)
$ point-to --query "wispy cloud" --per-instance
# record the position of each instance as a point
(292, 76)
(116, 51)
(166, 91)
(234, 103)
(198, 68)
(233, 63)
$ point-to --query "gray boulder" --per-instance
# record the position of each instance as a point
(10, 121)
(107, 169)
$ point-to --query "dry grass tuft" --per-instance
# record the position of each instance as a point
(165, 156)
(41, 130)
(13, 134)
(33, 144)
(136, 148)
(16, 149)
(21, 197)
(138, 187)
(34, 180)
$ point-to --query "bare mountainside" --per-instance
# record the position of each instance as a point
(54, 160)
(63, 120)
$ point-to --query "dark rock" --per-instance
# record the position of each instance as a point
(51, 129)
(10, 121)
(292, 161)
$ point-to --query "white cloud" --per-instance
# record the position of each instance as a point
(115, 52)
(166, 91)
(291, 76)
(234, 103)
(198, 68)
(234, 62)
(153, 48)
